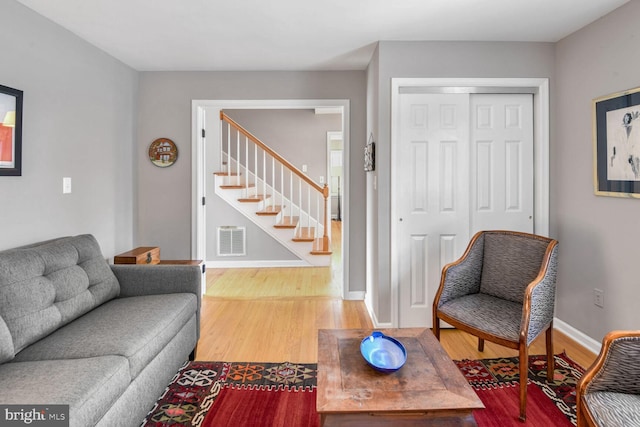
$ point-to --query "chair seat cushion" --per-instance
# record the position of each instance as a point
(614, 409)
(89, 386)
(487, 313)
(137, 328)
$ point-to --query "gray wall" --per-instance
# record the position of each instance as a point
(79, 119)
(431, 59)
(598, 235)
(300, 136)
(165, 110)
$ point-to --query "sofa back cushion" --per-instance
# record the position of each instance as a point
(48, 284)
(510, 263)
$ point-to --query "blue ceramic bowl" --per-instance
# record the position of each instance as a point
(383, 353)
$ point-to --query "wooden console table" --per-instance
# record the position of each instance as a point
(428, 390)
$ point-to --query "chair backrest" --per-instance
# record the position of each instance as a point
(510, 262)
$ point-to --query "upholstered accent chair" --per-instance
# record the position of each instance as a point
(608, 394)
(502, 290)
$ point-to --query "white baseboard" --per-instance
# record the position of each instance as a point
(354, 296)
(581, 338)
(374, 319)
(258, 264)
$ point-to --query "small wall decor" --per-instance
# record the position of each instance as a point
(616, 144)
(163, 152)
(370, 155)
(10, 131)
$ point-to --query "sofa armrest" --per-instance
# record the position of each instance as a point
(138, 280)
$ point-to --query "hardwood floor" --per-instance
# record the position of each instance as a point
(273, 315)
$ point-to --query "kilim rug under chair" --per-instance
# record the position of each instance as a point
(204, 394)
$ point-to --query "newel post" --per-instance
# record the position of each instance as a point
(325, 237)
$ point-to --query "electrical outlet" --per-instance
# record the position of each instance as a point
(598, 297)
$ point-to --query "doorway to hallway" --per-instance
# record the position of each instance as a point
(207, 143)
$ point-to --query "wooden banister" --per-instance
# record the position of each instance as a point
(272, 153)
(323, 190)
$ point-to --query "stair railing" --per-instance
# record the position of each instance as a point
(256, 165)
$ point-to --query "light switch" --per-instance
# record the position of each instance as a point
(322, 180)
(66, 185)
(304, 168)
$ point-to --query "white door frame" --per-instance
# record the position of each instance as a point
(331, 135)
(198, 180)
(540, 148)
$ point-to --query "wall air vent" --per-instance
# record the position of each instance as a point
(231, 241)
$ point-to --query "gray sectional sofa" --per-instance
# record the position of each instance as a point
(104, 339)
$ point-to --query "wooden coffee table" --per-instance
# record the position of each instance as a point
(428, 390)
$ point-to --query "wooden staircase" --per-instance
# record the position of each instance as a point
(274, 220)
(287, 215)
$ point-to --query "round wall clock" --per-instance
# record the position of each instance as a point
(163, 152)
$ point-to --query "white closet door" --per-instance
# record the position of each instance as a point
(464, 163)
(502, 162)
(432, 188)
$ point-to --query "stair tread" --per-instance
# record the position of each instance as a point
(305, 234)
(270, 210)
(288, 222)
(226, 174)
(254, 199)
(236, 186)
(317, 248)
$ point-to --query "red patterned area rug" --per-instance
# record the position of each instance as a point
(205, 394)
(548, 404)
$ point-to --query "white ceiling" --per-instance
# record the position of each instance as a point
(302, 34)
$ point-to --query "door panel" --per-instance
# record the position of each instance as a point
(502, 173)
(433, 196)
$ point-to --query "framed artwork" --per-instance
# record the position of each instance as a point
(616, 144)
(10, 131)
(163, 152)
(370, 155)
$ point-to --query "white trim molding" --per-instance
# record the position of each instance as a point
(580, 337)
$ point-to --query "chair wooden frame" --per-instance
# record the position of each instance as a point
(521, 343)
(585, 418)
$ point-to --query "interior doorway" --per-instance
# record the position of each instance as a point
(206, 139)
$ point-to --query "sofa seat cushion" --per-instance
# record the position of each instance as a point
(614, 409)
(137, 328)
(488, 313)
(89, 386)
